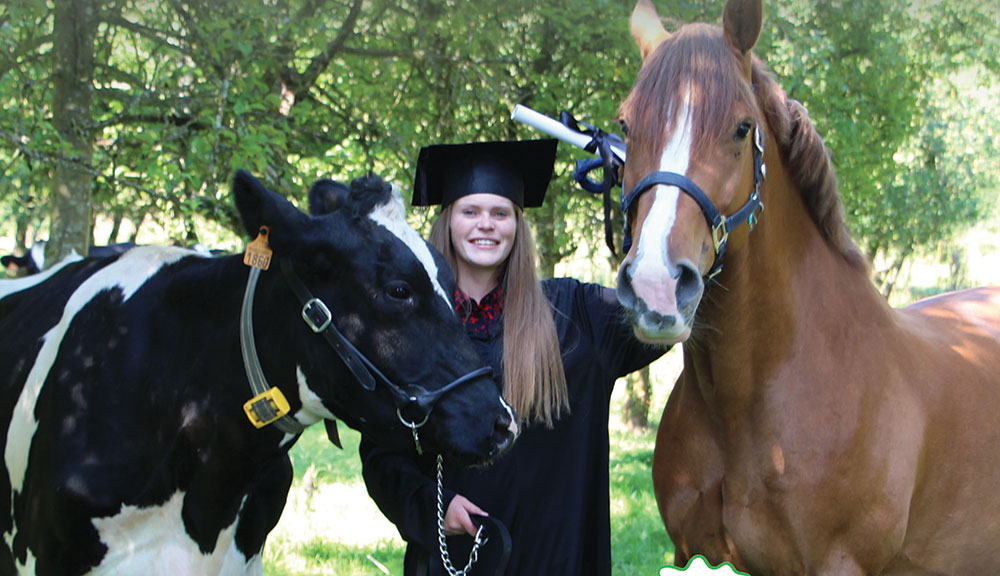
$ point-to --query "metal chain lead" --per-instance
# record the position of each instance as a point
(445, 559)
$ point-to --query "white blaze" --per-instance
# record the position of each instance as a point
(676, 156)
(392, 216)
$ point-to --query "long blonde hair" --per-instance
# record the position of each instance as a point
(534, 382)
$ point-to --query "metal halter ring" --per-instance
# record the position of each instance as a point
(413, 428)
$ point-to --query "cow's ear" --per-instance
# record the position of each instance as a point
(326, 196)
(259, 206)
(370, 191)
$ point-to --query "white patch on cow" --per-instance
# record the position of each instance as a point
(153, 541)
(392, 217)
(8, 287)
(512, 428)
(38, 254)
(312, 410)
(127, 274)
(676, 156)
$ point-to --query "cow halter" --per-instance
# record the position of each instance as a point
(269, 405)
(720, 225)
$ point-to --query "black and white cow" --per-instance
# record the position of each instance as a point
(128, 448)
(32, 261)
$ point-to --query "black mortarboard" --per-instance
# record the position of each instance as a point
(516, 169)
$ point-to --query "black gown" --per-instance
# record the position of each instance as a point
(551, 489)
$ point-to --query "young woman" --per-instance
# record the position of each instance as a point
(557, 347)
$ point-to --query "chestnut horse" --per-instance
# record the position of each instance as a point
(814, 429)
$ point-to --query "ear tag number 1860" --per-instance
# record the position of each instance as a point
(258, 252)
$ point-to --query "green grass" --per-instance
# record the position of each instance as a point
(330, 526)
(639, 542)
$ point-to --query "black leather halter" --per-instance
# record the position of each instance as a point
(720, 225)
(415, 402)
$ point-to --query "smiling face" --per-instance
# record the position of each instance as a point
(482, 233)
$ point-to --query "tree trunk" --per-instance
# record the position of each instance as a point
(543, 225)
(75, 29)
(637, 393)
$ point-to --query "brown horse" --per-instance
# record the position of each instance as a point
(814, 430)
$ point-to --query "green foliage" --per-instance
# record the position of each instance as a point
(185, 93)
(892, 89)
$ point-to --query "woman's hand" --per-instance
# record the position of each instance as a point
(457, 520)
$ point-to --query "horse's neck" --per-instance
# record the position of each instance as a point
(780, 297)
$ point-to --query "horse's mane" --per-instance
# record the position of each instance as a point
(699, 58)
(808, 162)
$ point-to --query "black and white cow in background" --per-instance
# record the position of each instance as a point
(128, 448)
(32, 261)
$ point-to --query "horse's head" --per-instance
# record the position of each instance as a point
(395, 355)
(694, 164)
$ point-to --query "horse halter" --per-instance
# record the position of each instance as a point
(269, 405)
(720, 225)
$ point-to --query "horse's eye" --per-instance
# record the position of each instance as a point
(398, 291)
(742, 131)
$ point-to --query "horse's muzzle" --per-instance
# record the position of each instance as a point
(661, 307)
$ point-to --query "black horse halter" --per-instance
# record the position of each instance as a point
(265, 408)
(720, 225)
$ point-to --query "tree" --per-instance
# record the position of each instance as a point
(870, 74)
(74, 31)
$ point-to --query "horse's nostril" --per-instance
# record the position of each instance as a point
(689, 285)
(626, 295)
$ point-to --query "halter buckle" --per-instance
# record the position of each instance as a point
(316, 315)
(720, 235)
(266, 407)
(755, 215)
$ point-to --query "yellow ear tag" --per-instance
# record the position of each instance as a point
(258, 252)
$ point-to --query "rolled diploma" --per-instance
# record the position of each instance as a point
(554, 128)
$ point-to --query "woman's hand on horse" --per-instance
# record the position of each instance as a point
(457, 520)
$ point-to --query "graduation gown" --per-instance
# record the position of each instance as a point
(551, 488)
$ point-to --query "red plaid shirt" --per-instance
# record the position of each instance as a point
(480, 317)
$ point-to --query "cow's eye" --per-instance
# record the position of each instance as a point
(398, 291)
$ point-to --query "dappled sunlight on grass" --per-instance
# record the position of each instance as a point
(331, 526)
(336, 512)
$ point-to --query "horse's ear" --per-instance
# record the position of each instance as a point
(646, 27)
(326, 196)
(742, 20)
(259, 206)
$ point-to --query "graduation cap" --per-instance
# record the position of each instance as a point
(519, 170)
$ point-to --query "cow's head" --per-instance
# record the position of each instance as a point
(388, 292)
(27, 264)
